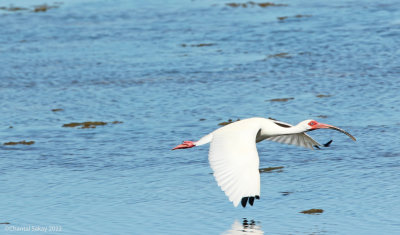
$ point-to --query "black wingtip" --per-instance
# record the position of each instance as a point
(251, 201)
(328, 143)
(244, 201)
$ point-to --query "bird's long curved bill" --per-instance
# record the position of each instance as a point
(337, 129)
(343, 131)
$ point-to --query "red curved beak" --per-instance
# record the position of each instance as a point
(321, 126)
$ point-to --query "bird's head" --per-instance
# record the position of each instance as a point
(310, 125)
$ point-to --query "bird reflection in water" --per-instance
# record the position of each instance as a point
(246, 227)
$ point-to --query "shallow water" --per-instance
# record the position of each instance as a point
(171, 71)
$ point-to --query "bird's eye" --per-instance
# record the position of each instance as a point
(312, 123)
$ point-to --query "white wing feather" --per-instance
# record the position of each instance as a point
(301, 139)
(234, 159)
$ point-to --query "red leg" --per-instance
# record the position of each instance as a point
(185, 145)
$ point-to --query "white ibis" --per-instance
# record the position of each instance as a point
(233, 154)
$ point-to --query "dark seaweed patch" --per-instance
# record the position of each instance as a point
(312, 211)
(280, 55)
(203, 45)
(302, 16)
(322, 116)
(282, 18)
(269, 169)
(20, 142)
(12, 8)
(43, 8)
(250, 3)
(281, 99)
(233, 4)
(270, 4)
(57, 110)
(286, 193)
(198, 45)
(323, 96)
(84, 125)
(227, 122)
(38, 8)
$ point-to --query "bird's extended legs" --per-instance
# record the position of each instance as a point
(185, 145)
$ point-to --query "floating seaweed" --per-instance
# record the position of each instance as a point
(57, 110)
(232, 4)
(203, 45)
(322, 116)
(269, 169)
(227, 122)
(38, 8)
(280, 55)
(302, 16)
(281, 18)
(260, 4)
(20, 142)
(286, 193)
(42, 8)
(198, 45)
(281, 99)
(271, 4)
(4, 223)
(323, 96)
(12, 8)
(84, 125)
(312, 211)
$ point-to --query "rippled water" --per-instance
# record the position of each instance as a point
(171, 71)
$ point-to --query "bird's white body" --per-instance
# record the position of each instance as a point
(234, 158)
(233, 154)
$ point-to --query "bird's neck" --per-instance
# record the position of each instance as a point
(274, 129)
(290, 130)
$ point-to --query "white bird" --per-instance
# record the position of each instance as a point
(233, 154)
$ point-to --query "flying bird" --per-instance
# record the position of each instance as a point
(233, 154)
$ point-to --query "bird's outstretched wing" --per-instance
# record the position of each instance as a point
(234, 159)
(299, 139)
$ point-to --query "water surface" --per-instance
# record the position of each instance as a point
(171, 71)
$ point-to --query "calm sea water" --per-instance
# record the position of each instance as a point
(171, 71)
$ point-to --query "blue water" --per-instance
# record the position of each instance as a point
(143, 63)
